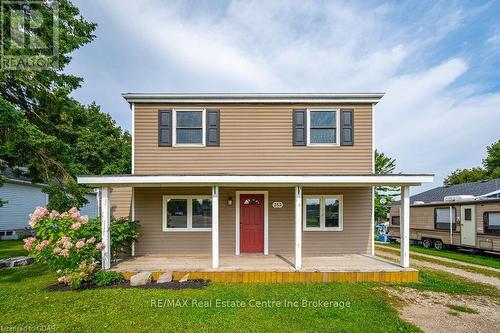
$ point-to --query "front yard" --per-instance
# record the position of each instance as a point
(470, 258)
(26, 302)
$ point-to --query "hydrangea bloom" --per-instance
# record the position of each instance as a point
(54, 214)
(99, 246)
(63, 240)
(64, 279)
(37, 215)
(42, 245)
(91, 240)
(83, 219)
(80, 244)
(74, 213)
(28, 243)
(76, 226)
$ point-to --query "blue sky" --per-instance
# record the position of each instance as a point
(437, 62)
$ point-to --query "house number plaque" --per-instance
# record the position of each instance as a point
(277, 204)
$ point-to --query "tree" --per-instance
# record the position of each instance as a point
(384, 195)
(461, 176)
(492, 161)
(490, 169)
(45, 130)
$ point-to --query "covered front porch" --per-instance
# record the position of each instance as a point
(271, 268)
(291, 242)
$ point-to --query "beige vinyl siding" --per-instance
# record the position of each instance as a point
(148, 211)
(254, 139)
(354, 239)
(356, 235)
(121, 201)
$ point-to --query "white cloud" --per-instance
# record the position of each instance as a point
(495, 39)
(425, 120)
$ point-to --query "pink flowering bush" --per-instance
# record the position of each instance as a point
(60, 244)
(69, 243)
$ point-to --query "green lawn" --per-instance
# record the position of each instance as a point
(11, 248)
(468, 258)
(26, 302)
(439, 260)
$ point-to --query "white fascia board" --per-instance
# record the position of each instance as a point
(252, 98)
(353, 180)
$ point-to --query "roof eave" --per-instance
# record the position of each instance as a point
(319, 98)
(228, 180)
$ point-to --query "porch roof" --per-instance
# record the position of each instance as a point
(252, 180)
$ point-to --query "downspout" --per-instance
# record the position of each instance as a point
(451, 225)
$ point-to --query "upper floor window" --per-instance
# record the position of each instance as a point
(322, 127)
(189, 127)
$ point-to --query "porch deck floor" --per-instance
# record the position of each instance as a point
(258, 263)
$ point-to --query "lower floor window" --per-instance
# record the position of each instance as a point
(182, 213)
(442, 218)
(323, 212)
(491, 221)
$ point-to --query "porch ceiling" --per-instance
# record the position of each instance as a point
(257, 180)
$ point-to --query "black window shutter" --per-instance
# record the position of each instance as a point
(213, 127)
(346, 127)
(299, 127)
(165, 128)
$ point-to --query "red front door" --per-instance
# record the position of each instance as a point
(251, 222)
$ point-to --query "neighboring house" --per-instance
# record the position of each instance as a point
(270, 175)
(463, 215)
(22, 198)
(485, 188)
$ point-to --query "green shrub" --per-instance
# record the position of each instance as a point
(106, 278)
(122, 233)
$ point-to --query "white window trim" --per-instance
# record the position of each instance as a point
(322, 212)
(174, 128)
(189, 198)
(266, 220)
(337, 130)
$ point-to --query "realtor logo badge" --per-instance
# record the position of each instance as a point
(30, 39)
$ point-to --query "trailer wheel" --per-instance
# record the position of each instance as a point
(438, 245)
(427, 243)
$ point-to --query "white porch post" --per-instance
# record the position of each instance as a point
(373, 221)
(132, 213)
(215, 227)
(105, 224)
(298, 227)
(404, 227)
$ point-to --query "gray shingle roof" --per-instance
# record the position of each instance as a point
(475, 189)
(15, 173)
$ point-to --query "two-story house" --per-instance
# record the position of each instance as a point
(228, 180)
